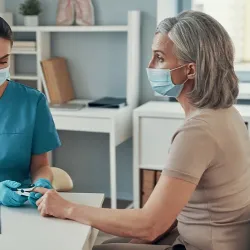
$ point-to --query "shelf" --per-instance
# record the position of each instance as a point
(21, 52)
(174, 110)
(96, 28)
(242, 67)
(24, 77)
(90, 112)
(160, 108)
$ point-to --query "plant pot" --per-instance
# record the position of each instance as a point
(31, 20)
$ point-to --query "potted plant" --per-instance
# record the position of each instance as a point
(30, 9)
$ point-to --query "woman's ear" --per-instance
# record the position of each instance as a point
(191, 72)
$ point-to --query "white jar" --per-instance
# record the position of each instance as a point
(31, 20)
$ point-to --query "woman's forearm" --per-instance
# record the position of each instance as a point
(112, 221)
(149, 224)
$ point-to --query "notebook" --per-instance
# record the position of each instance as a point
(109, 102)
(58, 82)
(67, 106)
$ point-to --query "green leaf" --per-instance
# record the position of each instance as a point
(30, 8)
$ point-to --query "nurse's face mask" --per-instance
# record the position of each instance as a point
(5, 51)
(4, 75)
(161, 82)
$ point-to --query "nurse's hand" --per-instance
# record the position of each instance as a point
(8, 197)
(34, 196)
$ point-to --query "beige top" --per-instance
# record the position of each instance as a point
(212, 150)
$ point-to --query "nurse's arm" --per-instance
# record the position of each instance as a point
(156, 217)
(40, 167)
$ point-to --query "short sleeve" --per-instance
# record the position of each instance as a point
(191, 153)
(45, 137)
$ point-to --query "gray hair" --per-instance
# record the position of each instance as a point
(198, 38)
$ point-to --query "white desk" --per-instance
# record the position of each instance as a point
(24, 228)
(116, 122)
(154, 125)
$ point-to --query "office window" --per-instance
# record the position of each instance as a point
(234, 15)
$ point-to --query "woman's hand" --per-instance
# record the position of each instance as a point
(52, 204)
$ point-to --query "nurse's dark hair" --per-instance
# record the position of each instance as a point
(5, 31)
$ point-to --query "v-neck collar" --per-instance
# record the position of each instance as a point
(5, 91)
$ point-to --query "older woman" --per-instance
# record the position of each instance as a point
(206, 180)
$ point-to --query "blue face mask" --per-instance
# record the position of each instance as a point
(161, 82)
(4, 75)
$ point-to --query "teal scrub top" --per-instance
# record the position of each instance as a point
(26, 128)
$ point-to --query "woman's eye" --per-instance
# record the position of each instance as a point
(160, 59)
(2, 63)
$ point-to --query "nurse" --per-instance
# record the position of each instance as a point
(27, 132)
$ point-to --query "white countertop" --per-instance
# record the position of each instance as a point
(23, 228)
(89, 111)
(174, 109)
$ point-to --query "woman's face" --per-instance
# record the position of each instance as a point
(5, 50)
(164, 58)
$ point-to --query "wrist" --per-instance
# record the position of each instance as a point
(76, 212)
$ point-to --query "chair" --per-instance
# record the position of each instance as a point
(62, 182)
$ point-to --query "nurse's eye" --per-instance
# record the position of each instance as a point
(2, 63)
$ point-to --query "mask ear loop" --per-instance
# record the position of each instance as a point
(178, 67)
(185, 81)
(181, 83)
(171, 75)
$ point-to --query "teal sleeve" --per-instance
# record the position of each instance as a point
(45, 137)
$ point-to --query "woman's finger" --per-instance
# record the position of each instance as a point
(40, 207)
(43, 213)
(40, 190)
(40, 201)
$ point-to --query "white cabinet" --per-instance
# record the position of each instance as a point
(154, 125)
(154, 139)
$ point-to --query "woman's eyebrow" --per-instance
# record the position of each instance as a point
(158, 51)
